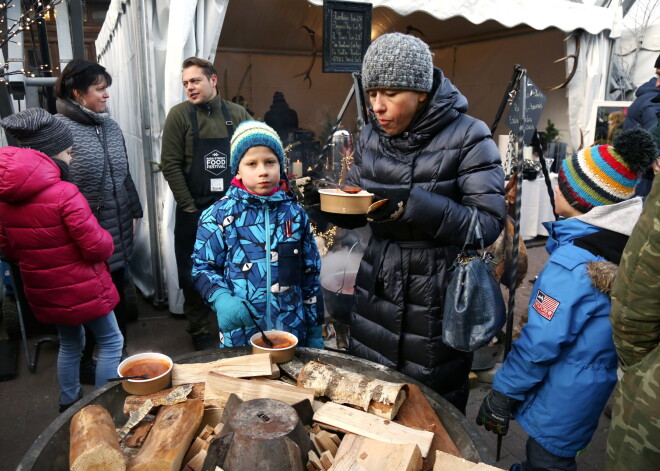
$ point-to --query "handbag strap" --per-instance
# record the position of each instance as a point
(474, 230)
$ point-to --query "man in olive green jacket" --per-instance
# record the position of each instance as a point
(195, 163)
(633, 443)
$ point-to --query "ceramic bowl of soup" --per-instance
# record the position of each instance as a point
(284, 345)
(156, 366)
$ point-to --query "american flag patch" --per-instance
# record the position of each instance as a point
(545, 305)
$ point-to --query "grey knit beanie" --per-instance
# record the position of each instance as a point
(35, 128)
(398, 61)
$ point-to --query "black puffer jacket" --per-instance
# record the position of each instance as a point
(448, 161)
(121, 203)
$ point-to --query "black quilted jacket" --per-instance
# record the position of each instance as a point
(448, 161)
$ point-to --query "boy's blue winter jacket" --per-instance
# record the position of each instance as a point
(563, 367)
(261, 249)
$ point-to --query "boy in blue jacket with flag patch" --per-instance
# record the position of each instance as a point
(560, 373)
(255, 257)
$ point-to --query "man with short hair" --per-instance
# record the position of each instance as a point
(195, 163)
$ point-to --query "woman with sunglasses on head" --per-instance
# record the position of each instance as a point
(100, 166)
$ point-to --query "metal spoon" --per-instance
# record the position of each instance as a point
(266, 340)
(120, 378)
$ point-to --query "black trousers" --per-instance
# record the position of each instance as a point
(194, 307)
(540, 459)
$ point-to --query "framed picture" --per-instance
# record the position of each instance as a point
(605, 122)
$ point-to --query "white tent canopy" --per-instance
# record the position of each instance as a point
(144, 43)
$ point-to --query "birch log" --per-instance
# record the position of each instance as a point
(94, 443)
(369, 394)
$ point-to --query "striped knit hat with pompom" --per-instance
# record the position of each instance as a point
(606, 174)
(250, 134)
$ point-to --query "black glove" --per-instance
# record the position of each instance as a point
(389, 205)
(495, 412)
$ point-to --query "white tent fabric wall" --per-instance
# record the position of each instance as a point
(119, 55)
(175, 29)
(588, 85)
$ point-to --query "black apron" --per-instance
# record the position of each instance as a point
(210, 175)
(208, 180)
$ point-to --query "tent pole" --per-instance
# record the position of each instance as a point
(159, 298)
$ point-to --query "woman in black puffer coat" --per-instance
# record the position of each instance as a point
(99, 165)
(428, 161)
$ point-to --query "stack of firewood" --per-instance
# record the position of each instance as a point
(352, 419)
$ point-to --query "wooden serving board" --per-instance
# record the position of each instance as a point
(417, 413)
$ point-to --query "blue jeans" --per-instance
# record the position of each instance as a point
(72, 341)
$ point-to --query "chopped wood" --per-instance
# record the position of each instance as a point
(169, 438)
(326, 442)
(196, 463)
(346, 419)
(378, 397)
(93, 441)
(139, 434)
(317, 445)
(326, 459)
(219, 387)
(364, 454)
(444, 461)
(275, 371)
(198, 445)
(335, 438)
(237, 367)
(417, 413)
(133, 402)
(316, 462)
(310, 466)
(206, 432)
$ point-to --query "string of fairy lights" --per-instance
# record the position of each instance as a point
(33, 13)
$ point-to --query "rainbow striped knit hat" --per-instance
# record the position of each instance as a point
(606, 174)
(250, 134)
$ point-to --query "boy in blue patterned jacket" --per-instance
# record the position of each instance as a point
(255, 257)
(560, 373)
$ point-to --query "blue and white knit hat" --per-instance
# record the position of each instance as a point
(254, 133)
(606, 174)
(398, 61)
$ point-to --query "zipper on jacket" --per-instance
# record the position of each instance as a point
(269, 321)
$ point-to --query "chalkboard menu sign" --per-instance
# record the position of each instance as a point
(346, 35)
(534, 101)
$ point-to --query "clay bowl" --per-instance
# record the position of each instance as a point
(277, 355)
(156, 365)
(336, 201)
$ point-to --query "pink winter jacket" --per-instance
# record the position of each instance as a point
(47, 227)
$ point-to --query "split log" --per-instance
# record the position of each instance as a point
(369, 394)
(219, 387)
(346, 419)
(444, 461)
(140, 433)
(364, 454)
(169, 438)
(93, 441)
(417, 413)
(237, 367)
(132, 403)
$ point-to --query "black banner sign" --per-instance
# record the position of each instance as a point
(534, 101)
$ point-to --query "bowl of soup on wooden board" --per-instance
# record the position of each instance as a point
(157, 368)
(284, 345)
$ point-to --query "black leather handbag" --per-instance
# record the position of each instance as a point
(474, 310)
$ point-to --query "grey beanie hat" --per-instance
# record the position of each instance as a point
(35, 128)
(398, 61)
